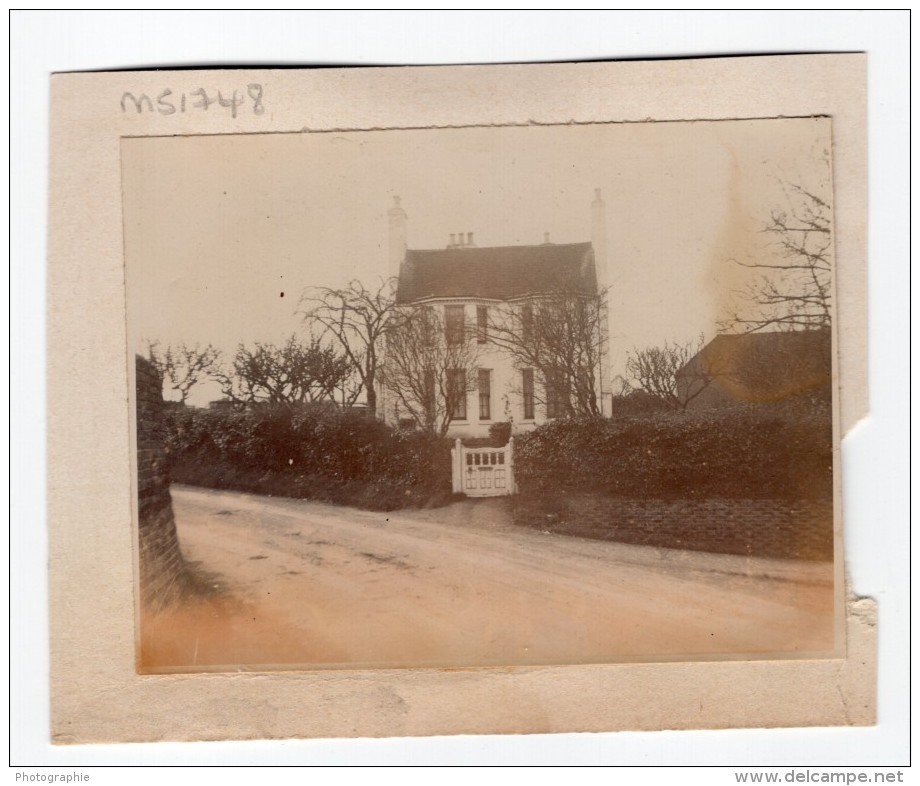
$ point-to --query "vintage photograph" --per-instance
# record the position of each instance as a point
(485, 396)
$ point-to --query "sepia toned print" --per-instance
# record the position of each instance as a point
(483, 397)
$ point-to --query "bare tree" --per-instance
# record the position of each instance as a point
(794, 291)
(670, 372)
(358, 319)
(294, 373)
(349, 387)
(560, 336)
(183, 366)
(430, 369)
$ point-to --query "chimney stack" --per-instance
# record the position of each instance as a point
(397, 220)
(469, 239)
(546, 241)
(460, 242)
(599, 237)
(599, 243)
(453, 240)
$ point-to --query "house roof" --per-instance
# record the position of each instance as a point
(500, 273)
(765, 366)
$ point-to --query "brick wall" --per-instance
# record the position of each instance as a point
(164, 576)
(783, 529)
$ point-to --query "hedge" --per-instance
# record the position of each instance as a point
(318, 452)
(752, 453)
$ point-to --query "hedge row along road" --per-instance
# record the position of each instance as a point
(308, 583)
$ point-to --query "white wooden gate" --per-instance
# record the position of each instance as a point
(483, 472)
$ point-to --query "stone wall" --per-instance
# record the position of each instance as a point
(164, 576)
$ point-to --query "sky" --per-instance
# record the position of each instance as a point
(224, 233)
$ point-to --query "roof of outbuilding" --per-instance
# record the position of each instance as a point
(766, 365)
(500, 273)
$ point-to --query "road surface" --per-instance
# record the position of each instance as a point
(300, 582)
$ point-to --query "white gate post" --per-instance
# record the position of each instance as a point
(456, 456)
(512, 485)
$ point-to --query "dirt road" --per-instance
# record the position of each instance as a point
(303, 582)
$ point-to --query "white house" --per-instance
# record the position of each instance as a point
(472, 287)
